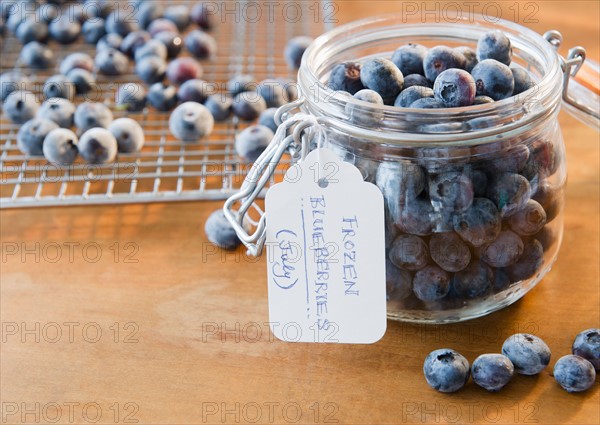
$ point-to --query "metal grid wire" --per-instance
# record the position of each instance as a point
(166, 169)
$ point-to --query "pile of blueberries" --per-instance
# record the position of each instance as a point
(459, 226)
(448, 371)
(152, 36)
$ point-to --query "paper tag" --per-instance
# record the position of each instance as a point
(326, 254)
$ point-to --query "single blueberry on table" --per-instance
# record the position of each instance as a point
(240, 83)
(398, 282)
(196, 90)
(130, 97)
(98, 146)
(172, 41)
(427, 103)
(523, 81)
(182, 69)
(121, 23)
(587, 345)
(191, 121)
(148, 12)
(384, 77)
(431, 283)
(252, 141)
(409, 58)
(111, 62)
(83, 80)
(32, 30)
(37, 55)
(493, 79)
(161, 25)
(64, 30)
(12, 81)
(475, 281)
(109, 41)
(495, 45)
(128, 133)
(530, 262)
(220, 232)
(59, 86)
(410, 95)
(150, 48)
(76, 60)
(454, 88)
(449, 251)
(267, 118)
(346, 77)
(470, 56)
(365, 115)
(248, 106)
(93, 30)
(529, 220)
(273, 92)
(151, 69)
(504, 251)
(91, 114)
(162, 97)
(31, 135)
(528, 353)
(412, 80)
(179, 15)
(134, 40)
(574, 373)
(409, 252)
(446, 370)
(59, 110)
(452, 190)
(295, 50)
(20, 106)
(510, 192)
(220, 106)
(441, 58)
(492, 371)
(201, 44)
(60, 146)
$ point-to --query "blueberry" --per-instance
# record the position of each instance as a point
(501, 280)
(47, 12)
(530, 262)
(196, 91)
(248, 105)
(543, 160)
(523, 81)
(416, 80)
(504, 251)
(446, 370)
(291, 87)
(172, 41)
(574, 373)
(587, 345)
(64, 30)
(60, 146)
(162, 97)
(410, 95)
(251, 143)
(474, 281)
(161, 25)
(267, 118)
(191, 121)
(454, 88)
(31, 135)
(121, 23)
(130, 97)
(495, 45)
(241, 83)
(409, 58)
(83, 80)
(20, 106)
(133, 40)
(365, 115)
(89, 115)
(470, 56)
(398, 282)
(59, 86)
(512, 161)
(201, 44)
(11, 81)
(427, 103)
(109, 41)
(509, 192)
(93, 30)
(128, 133)
(220, 106)
(147, 12)
(37, 55)
(182, 69)
(220, 232)
(480, 224)
(111, 62)
(203, 15)
(32, 30)
(346, 77)
(528, 353)
(295, 50)
(179, 15)
(431, 283)
(151, 69)
(449, 251)
(479, 179)
(401, 182)
(151, 48)
(451, 190)
(441, 58)
(529, 220)
(273, 92)
(493, 79)
(98, 146)
(409, 252)
(546, 237)
(416, 217)
(384, 77)
(492, 371)
(76, 60)
(550, 198)
(482, 100)
(59, 110)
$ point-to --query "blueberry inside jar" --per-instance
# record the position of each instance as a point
(473, 189)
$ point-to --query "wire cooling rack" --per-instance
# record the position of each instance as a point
(166, 169)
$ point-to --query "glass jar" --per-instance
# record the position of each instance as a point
(473, 196)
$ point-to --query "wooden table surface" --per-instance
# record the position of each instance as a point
(140, 320)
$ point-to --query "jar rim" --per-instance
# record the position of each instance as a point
(519, 111)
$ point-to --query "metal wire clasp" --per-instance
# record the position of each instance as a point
(264, 167)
